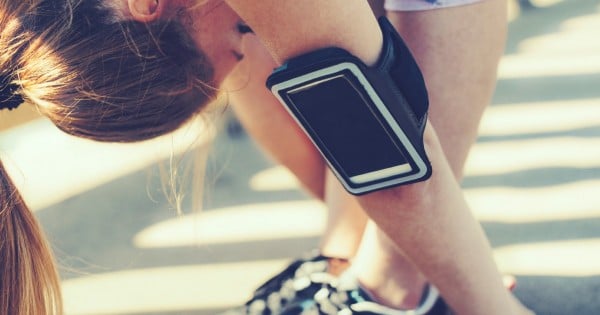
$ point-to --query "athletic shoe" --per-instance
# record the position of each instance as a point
(353, 300)
(297, 282)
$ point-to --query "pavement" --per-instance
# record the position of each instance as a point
(533, 180)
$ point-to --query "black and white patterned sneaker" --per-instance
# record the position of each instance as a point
(332, 300)
(297, 282)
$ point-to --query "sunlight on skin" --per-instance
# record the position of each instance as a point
(577, 258)
(158, 290)
(70, 166)
(245, 223)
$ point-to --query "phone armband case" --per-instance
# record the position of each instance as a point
(367, 122)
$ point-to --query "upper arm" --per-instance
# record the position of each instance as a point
(291, 27)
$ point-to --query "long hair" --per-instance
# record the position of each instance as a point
(94, 76)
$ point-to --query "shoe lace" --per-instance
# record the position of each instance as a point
(284, 286)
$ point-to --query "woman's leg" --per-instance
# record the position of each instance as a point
(458, 50)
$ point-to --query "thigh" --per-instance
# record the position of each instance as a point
(458, 49)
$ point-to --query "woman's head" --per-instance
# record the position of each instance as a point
(109, 70)
(118, 70)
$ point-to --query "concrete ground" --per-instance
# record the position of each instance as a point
(533, 180)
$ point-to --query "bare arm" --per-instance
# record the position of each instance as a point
(290, 28)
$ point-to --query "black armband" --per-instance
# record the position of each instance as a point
(367, 122)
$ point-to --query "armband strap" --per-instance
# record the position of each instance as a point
(397, 72)
(367, 122)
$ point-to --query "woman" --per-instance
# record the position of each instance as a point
(127, 70)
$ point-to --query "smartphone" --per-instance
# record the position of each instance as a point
(364, 143)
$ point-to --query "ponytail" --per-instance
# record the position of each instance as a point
(29, 283)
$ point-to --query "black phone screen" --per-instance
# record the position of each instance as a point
(340, 117)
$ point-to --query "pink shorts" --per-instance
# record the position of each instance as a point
(418, 5)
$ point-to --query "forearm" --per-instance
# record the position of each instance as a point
(431, 222)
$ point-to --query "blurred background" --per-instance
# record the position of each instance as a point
(533, 180)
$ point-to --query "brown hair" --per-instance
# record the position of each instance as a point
(95, 77)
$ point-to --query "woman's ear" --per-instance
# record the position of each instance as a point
(146, 10)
